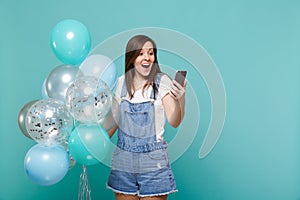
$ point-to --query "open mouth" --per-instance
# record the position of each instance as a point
(147, 65)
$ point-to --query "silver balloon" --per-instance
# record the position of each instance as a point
(49, 122)
(71, 159)
(88, 99)
(59, 79)
(22, 118)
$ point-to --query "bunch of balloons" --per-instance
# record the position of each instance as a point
(67, 123)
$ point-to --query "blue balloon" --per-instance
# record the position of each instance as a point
(44, 91)
(46, 165)
(110, 75)
(70, 41)
(89, 144)
(79, 152)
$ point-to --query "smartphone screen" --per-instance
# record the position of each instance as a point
(180, 76)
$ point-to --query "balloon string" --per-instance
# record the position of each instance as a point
(84, 190)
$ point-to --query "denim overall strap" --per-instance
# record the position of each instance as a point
(124, 91)
(136, 131)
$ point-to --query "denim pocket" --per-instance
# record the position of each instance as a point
(155, 160)
(122, 160)
(159, 154)
(117, 151)
(139, 118)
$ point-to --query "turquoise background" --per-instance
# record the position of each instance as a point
(255, 45)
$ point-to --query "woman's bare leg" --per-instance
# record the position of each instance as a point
(126, 197)
(163, 197)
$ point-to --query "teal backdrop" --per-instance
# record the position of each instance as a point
(255, 45)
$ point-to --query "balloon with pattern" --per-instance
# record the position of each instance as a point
(49, 122)
(88, 99)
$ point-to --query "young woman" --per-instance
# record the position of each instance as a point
(144, 98)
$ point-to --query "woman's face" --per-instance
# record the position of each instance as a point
(143, 63)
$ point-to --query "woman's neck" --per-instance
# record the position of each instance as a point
(139, 81)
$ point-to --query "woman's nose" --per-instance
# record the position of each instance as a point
(146, 56)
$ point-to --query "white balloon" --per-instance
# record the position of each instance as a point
(101, 67)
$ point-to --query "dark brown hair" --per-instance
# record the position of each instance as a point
(133, 48)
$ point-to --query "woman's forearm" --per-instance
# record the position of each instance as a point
(174, 109)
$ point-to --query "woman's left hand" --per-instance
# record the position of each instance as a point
(177, 91)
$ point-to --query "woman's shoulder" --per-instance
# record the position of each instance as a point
(163, 83)
(162, 79)
(120, 81)
(121, 78)
(119, 85)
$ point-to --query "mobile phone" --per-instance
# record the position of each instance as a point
(180, 76)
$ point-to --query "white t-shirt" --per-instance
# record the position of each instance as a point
(140, 96)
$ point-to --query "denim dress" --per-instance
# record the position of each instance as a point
(139, 152)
